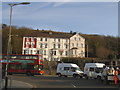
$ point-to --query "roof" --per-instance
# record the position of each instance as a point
(94, 64)
(68, 64)
(49, 33)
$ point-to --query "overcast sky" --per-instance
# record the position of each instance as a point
(85, 17)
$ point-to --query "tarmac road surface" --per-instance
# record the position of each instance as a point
(38, 81)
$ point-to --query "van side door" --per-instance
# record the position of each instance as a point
(91, 72)
(66, 70)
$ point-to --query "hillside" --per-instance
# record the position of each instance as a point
(98, 45)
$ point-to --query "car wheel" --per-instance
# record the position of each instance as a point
(81, 76)
(86, 77)
(74, 75)
(28, 73)
(59, 75)
(65, 75)
(9, 73)
(98, 77)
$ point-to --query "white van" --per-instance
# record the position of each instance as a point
(69, 69)
(93, 70)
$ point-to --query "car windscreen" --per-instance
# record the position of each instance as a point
(75, 68)
(98, 70)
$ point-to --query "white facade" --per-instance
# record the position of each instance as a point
(77, 46)
(55, 48)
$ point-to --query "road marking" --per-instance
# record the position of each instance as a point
(73, 85)
(13, 81)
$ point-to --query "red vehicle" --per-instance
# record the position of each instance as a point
(26, 64)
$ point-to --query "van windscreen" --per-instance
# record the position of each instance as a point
(75, 68)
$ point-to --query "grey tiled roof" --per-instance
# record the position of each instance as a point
(51, 34)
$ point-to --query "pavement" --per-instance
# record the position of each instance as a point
(14, 84)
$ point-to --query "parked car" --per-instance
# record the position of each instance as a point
(69, 69)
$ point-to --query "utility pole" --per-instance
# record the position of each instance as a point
(9, 42)
(87, 50)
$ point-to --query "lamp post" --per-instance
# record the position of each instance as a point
(9, 41)
(87, 50)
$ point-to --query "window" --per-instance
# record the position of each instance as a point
(45, 45)
(32, 45)
(73, 69)
(40, 51)
(75, 38)
(66, 53)
(15, 66)
(66, 46)
(27, 44)
(44, 52)
(81, 51)
(41, 67)
(41, 39)
(29, 67)
(41, 62)
(58, 45)
(41, 57)
(60, 68)
(98, 70)
(27, 39)
(35, 67)
(54, 39)
(41, 45)
(61, 53)
(55, 59)
(45, 39)
(37, 52)
(81, 45)
(54, 52)
(31, 51)
(66, 40)
(54, 46)
(32, 39)
(45, 59)
(58, 40)
(79, 39)
(25, 51)
(91, 69)
(75, 52)
(76, 44)
(72, 44)
(66, 68)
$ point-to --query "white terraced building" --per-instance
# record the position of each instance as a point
(54, 45)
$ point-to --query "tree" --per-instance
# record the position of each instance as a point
(102, 52)
(4, 26)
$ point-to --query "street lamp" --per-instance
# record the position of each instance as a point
(9, 40)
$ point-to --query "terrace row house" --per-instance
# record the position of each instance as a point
(54, 45)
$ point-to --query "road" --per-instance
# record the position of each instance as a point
(60, 82)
